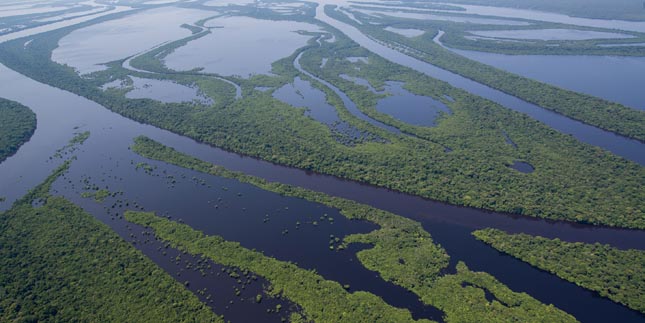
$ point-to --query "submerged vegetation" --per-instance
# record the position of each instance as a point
(17, 124)
(59, 264)
(99, 196)
(72, 145)
(328, 301)
(613, 273)
(402, 252)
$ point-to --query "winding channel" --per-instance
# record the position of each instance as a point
(61, 113)
(347, 102)
(630, 149)
(128, 66)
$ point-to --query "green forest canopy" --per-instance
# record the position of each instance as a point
(17, 124)
(60, 264)
(613, 273)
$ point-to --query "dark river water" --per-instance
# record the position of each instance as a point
(279, 226)
(286, 228)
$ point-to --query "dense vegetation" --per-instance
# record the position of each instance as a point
(572, 181)
(17, 124)
(616, 274)
(591, 110)
(103, 266)
(403, 253)
(59, 264)
(472, 119)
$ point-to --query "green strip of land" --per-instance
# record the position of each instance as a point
(17, 124)
(613, 273)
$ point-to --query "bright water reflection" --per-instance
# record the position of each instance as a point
(87, 48)
(410, 108)
(549, 34)
(617, 79)
(240, 46)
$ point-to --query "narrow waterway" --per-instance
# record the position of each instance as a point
(347, 102)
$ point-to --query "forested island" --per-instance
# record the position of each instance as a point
(17, 124)
(613, 273)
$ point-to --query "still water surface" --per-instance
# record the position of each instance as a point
(86, 49)
(240, 39)
(613, 78)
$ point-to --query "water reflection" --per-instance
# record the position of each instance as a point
(165, 91)
(410, 108)
(300, 93)
(523, 167)
(550, 34)
(86, 49)
(613, 78)
(233, 45)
